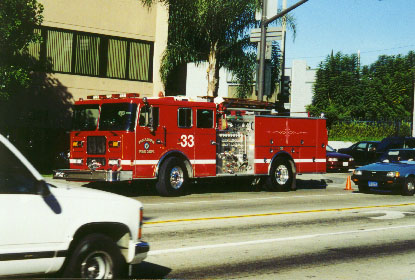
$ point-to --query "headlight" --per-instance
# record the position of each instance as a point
(357, 172)
(77, 144)
(351, 159)
(75, 161)
(393, 174)
(332, 159)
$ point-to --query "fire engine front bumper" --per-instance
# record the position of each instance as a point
(92, 175)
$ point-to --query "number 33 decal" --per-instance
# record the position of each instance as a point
(187, 141)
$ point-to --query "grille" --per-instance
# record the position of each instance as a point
(96, 145)
(374, 174)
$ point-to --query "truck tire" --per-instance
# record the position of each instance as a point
(173, 178)
(408, 188)
(96, 256)
(280, 177)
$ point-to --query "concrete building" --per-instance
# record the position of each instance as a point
(302, 81)
(103, 46)
(196, 81)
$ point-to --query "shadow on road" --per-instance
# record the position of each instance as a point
(146, 270)
(312, 184)
(217, 185)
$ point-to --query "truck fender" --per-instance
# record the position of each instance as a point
(178, 154)
(118, 232)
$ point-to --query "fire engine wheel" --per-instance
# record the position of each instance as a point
(281, 176)
(173, 178)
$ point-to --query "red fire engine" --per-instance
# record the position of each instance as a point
(124, 137)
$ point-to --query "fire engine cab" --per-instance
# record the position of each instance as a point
(123, 137)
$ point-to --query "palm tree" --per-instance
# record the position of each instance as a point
(213, 31)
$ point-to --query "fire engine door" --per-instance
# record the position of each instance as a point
(150, 140)
(205, 143)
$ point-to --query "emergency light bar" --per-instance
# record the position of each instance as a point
(115, 95)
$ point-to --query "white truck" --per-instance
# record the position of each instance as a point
(75, 232)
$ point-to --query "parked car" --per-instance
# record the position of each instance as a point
(73, 231)
(394, 143)
(363, 152)
(337, 161)
(395, 171)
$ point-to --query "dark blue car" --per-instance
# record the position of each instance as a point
(395, 171)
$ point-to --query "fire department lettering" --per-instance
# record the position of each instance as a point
(146, 140)
(146, 146)
(187, 141)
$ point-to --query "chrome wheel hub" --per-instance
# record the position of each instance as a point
(410, 186)
(97, 265)
(282, 175)
(176, 177)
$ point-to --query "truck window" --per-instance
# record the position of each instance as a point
(15, 178)
(145, 115)
(85, 117)
(118, 116)
(204, 118)
(184, 117)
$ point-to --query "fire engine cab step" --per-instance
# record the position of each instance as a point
(173, 179)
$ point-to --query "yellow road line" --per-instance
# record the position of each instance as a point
(278, 213)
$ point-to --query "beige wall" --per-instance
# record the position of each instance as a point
(123, 18)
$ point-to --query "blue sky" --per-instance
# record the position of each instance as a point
(372, 26)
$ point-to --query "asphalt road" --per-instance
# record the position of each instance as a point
(231, 230)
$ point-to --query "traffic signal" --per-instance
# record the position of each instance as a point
(286, 86)
(267, 79)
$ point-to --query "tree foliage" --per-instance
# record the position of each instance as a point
(18, 19)
(383, 90)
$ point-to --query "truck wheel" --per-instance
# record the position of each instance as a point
(409, 187)
(173, 178)
(281, 176)
(95, 257)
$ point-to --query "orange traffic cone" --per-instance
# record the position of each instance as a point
(348, 184)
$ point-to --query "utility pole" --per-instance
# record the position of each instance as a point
(264, 24)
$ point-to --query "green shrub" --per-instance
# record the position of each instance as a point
(360, 131)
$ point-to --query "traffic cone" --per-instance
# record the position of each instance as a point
(348, 184)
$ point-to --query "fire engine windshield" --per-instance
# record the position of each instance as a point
(85, 117)
(118, 116)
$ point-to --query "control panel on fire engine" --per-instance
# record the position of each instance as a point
(235, 145)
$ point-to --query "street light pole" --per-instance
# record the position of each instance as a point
(264, 24)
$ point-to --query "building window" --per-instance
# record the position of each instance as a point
(34, 47)
(59, 50)
(139, 63)
(117, 58)
(87, 55)
(96, 55)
